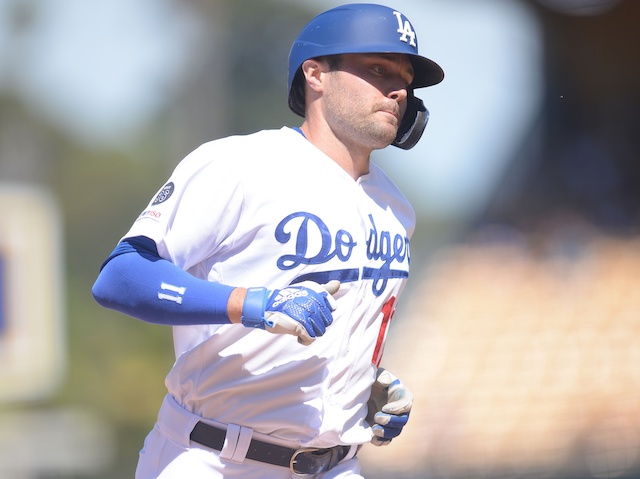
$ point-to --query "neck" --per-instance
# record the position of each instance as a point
(354, 159)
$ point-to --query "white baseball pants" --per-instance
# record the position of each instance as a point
(168, 453)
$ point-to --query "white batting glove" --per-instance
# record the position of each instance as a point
(303, 310)
(388, 407)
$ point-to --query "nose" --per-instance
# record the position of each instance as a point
(399, 93)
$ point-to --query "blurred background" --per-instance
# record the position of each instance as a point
(520, 329)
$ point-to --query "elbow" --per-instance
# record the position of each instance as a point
(110, 286)
(102, 292)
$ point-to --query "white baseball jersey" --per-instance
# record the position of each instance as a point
(270, 209)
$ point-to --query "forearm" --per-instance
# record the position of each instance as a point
(136, 281)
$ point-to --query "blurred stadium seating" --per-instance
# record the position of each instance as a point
(524, 360)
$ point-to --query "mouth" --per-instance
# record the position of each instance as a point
(393, 113)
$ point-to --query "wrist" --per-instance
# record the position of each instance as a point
(253, 308)
(234, 304)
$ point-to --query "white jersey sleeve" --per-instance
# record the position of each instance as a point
(195, 211)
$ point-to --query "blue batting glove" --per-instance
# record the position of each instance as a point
(303, 310)
(388, 426)
(388, 407)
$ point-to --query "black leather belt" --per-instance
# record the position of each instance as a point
(301, 461)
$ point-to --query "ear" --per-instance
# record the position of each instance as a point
(312, 70)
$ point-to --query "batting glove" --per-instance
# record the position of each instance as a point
(303, 310)
(388, 407)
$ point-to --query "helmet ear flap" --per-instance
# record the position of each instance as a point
(413, 124)
(296, 94)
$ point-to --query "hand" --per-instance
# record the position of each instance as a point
(388, 407)
(303, 310)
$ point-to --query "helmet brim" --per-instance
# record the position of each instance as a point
(426, 72)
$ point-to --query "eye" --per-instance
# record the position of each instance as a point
(379, 69)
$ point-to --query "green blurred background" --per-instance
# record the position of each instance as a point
(533, 140)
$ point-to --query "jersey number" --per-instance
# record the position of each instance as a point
(387, 313)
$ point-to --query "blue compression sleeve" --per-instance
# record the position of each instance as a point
(136, 281)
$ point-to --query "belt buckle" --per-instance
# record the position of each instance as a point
(292, 462)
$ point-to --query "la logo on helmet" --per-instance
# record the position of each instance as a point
(404, 27)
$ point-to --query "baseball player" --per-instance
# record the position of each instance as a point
(278, 258)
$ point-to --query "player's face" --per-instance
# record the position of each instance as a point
(365, 98)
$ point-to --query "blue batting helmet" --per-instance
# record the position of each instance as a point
(357, 28)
